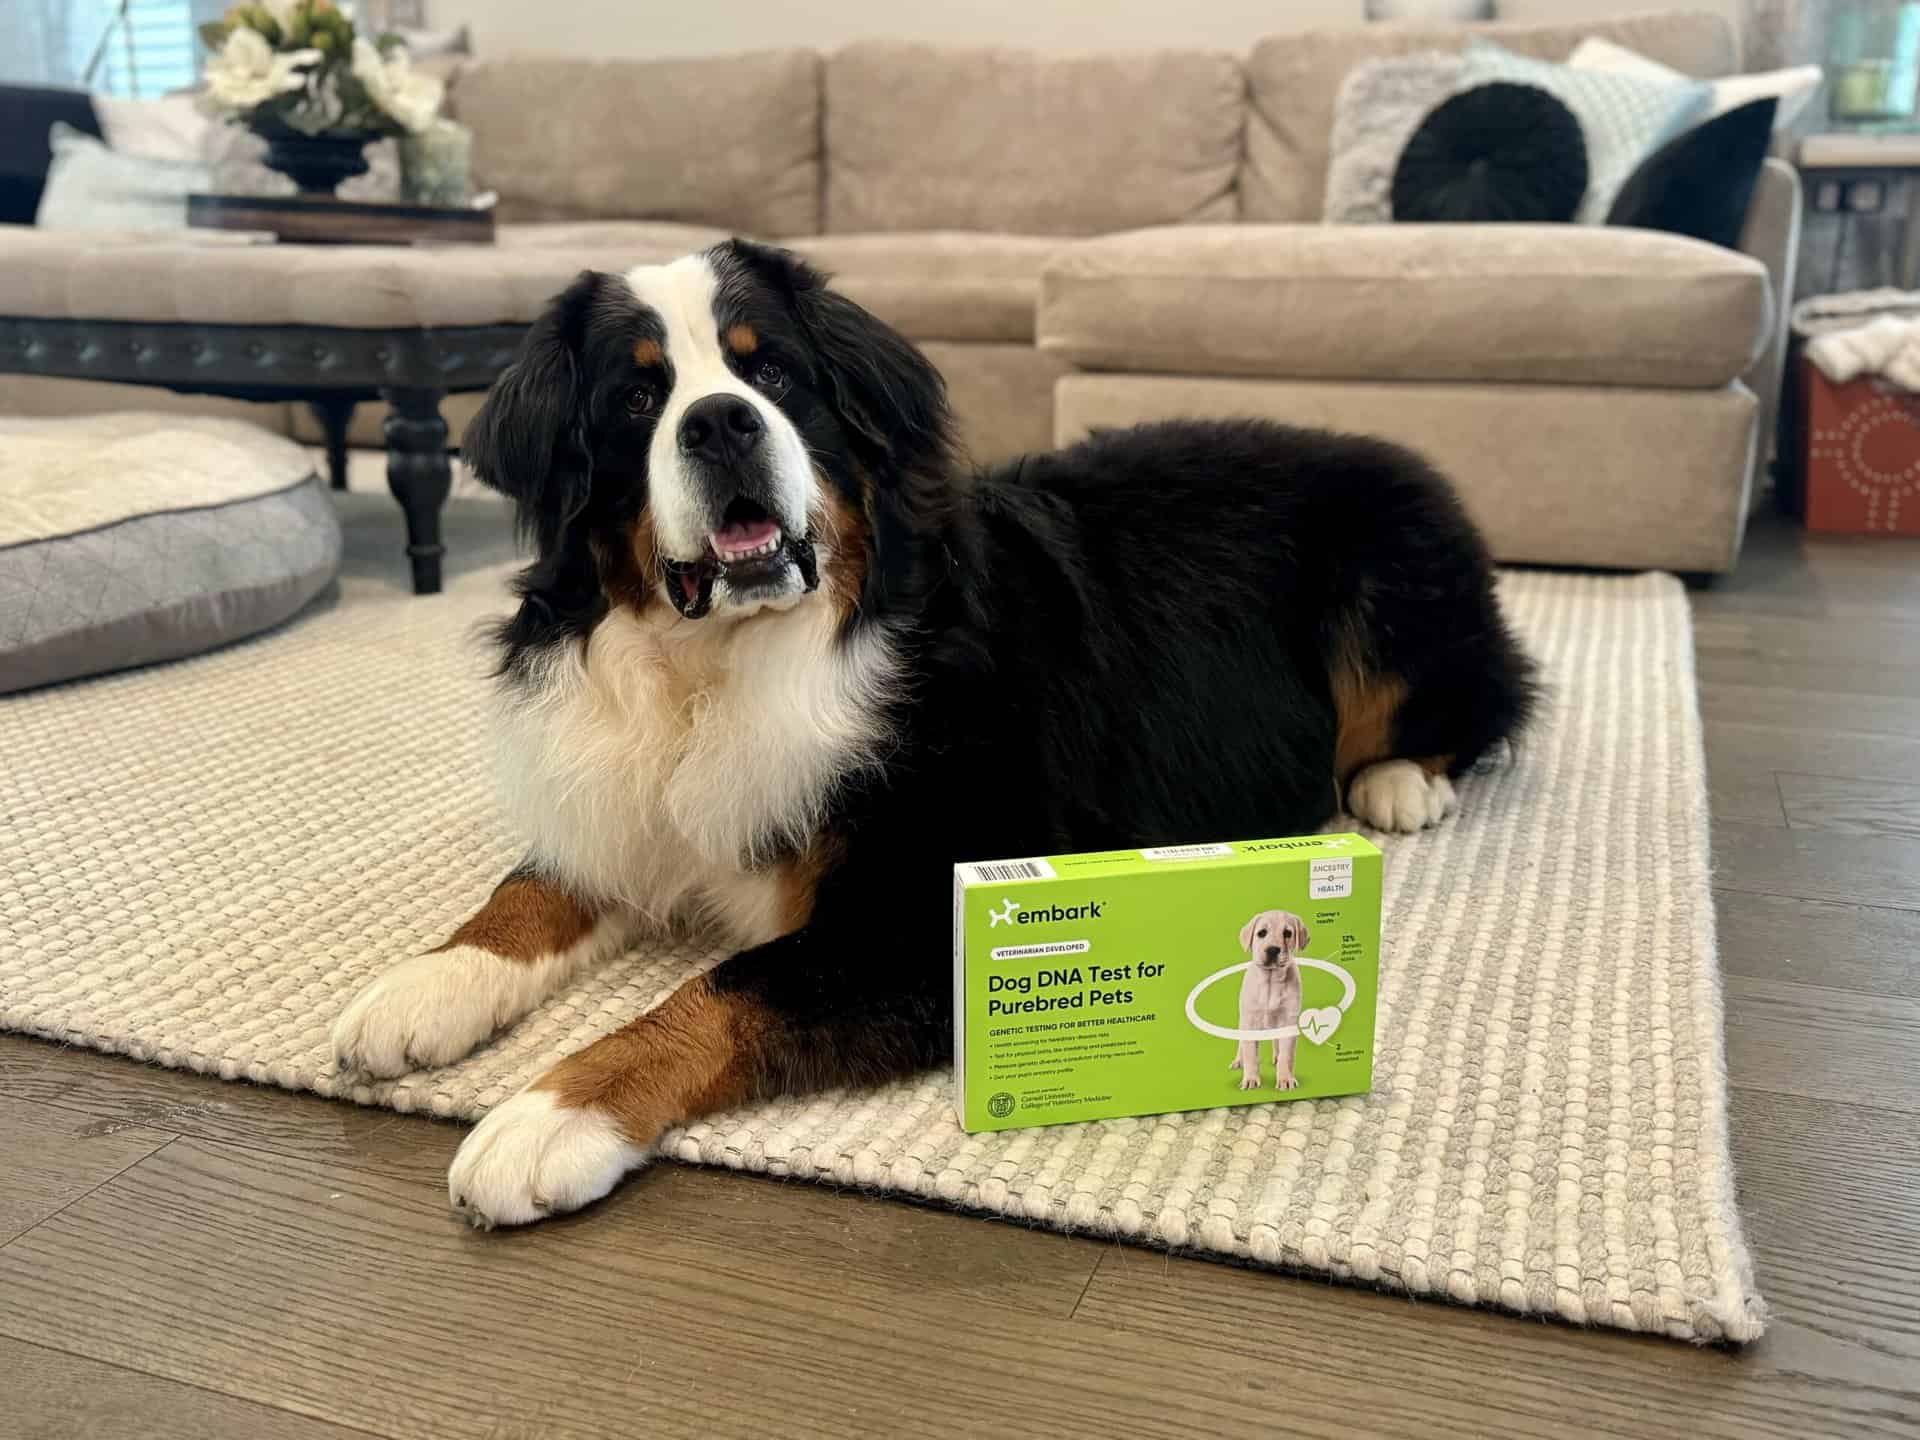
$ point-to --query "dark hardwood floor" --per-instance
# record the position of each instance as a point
(182, 1257)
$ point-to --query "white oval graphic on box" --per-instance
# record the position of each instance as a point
(1324, 1020)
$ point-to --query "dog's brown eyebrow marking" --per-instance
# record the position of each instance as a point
(742, 340)
(646, 352)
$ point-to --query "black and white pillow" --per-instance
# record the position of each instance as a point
(1701, 183)
(1490, 136)
(1498, 152)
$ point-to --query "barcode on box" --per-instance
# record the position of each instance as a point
(999, 870)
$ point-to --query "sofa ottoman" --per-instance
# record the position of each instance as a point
(1580, 384)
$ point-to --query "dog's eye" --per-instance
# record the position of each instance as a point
(642, 400)
(1260, 934)
(771, 375)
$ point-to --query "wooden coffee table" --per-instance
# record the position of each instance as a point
(411, 367)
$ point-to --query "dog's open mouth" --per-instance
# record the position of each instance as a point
(749, 551)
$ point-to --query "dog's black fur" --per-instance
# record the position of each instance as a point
(1128, 642)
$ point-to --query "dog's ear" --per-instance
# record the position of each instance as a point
(888, 396)
(1305, 934)
(529, 439)
(1246, 934)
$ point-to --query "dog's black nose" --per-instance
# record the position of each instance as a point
(1273, 952)
(719, 427)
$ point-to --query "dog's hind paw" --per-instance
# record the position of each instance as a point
(1399, 796)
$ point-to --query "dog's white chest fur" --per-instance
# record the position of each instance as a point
(663, 762)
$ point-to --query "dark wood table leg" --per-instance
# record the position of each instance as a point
(419, 476)
(334, 415)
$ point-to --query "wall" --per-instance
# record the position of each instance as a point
(705, 27)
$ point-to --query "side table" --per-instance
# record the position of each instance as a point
(1862, 228)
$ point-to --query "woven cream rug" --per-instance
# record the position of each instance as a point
(199, 864)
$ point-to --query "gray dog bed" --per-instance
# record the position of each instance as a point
(131, 538)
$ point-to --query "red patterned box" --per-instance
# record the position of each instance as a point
(1863, 457)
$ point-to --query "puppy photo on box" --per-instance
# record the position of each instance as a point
(1270, 994)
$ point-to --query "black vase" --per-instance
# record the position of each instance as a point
(315, 163)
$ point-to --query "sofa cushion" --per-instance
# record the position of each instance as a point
(732, 141)
(925, 137)
(942, 285)
(1551, 303)
(1293, 80)
(132, 537)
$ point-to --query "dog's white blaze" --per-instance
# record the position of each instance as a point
(683, 295)
(656, 764)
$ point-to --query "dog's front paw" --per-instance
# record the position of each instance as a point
(1286, 1082)
(1250, 1080)
(533, 1157)
(431, 1010)
(1397, 795)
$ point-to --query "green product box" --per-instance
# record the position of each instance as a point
(1134, 982)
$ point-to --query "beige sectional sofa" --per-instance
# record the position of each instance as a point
(1098, 239)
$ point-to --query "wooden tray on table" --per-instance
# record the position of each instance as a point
(310, 220)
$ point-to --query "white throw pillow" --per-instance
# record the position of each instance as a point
(1381, 103)
(1792, 88)
(170, 128)
(90, 187)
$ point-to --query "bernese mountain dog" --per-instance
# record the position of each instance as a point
(780, 660)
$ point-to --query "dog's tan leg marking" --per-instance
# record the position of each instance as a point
(527, 917)
(527, 941)
(568, 1138)
(1364, 707)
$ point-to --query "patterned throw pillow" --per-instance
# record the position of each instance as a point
(1496, 154)
(1381, 103)
(1624, 117)
(1702, 183)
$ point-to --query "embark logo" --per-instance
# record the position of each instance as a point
(1012, 912)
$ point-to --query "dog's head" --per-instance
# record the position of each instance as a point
(717, 435)
(1273, 937)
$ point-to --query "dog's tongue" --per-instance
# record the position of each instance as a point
(741, 537)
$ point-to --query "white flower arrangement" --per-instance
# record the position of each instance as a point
(395, 87)
(298, 65)
(247, 72)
